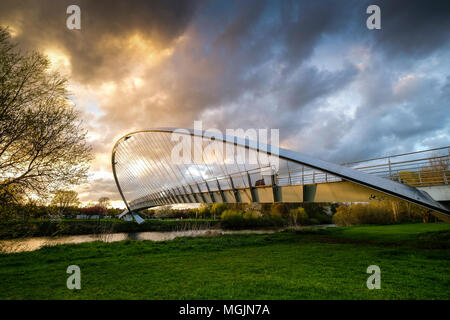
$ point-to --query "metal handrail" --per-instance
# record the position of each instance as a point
(398, 155)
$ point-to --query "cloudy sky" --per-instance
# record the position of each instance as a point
(334, 88)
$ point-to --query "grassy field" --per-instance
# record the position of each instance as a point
(318, 264)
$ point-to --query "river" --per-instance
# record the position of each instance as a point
(31, 244)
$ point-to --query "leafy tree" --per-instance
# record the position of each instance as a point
(163, 212)
(217, 209)
(298, 215)
(43, 147)
(94, 211)
(11, 195)
(205, 210)
(115, 212)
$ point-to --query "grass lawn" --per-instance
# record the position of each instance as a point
(318, 264)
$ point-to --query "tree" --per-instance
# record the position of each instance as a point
(217, 209)
(298, 214)
(205, 210)
(43, 146)
(94, 211)
(104, 202)
(435, 173)
(65, 199)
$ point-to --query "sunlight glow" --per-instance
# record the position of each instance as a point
(58, 61)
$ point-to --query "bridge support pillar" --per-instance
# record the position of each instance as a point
(309, 192)
(275, 190)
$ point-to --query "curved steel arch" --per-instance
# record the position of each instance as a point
(383, 185)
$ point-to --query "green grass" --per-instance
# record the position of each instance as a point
(319, 264)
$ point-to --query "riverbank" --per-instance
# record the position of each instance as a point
(17, 229)
(314, 264)
(20, 229)
(36, 243)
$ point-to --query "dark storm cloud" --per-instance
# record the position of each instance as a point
(394, 116)
(384, 121)
(106, 24)
(304, 23)
(312, 84)
(413, 28)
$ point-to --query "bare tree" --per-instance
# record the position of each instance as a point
(104, 202)
(43, 147)
(437, 170)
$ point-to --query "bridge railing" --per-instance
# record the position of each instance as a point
(422, 168)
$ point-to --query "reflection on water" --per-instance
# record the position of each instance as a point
(31, 244)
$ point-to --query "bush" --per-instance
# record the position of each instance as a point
(217, 209)
(252, 214)
(113, 212)
(385, 212)
(205, 210)
(162, 212)
(298, 216)
(231, 214)
(313, 221)
(233, 219)
(279, 210)
(317, 213)
(275, 214)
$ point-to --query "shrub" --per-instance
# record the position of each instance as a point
(205, 210)
(279, 210)
(192, 213)
(162, 212)
(217, 209)
(275, 215)
(298, 216)
(234, 219)
(231, 214)
(113, 212)
(10, 211)
(385, 212)
(252, 214)
(313, 221)
(318, 212)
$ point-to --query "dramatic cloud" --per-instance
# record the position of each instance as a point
(113, 32)
(335, 89)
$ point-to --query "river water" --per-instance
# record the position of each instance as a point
(31, 244)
